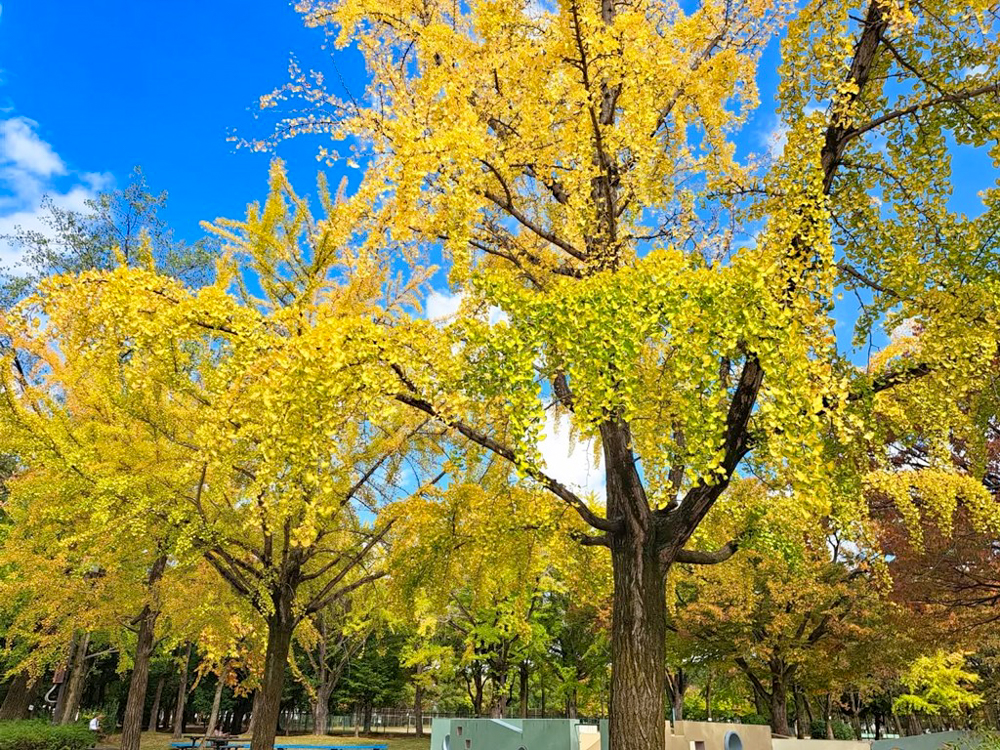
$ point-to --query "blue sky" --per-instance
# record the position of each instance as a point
(88, 90)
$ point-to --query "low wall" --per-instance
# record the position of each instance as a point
(820, 745)
(711, 735)
(933, 741)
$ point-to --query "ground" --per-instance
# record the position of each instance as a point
(161, 741)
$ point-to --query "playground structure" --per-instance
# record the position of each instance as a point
(513, 734)
(571, 734)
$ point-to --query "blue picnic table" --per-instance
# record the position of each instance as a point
(222, 744)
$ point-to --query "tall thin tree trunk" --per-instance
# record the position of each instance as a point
(800, 728)
(213, 718)
(523, 693)
(62, 676)
(77, 679)
(132, 721)
(708, 696)
(676, 687)
(154, 713)
(280, 625)
(899, 725)
(181, 695)
(418, 710)
(828, 716)
(20, 693)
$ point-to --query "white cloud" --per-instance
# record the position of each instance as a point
(774, 140)
(21, 148)
(30, 169)
(978, 70)
(572, 463)
(441, 306)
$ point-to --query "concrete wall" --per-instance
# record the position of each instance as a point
(590, 737)
(820, 745)
(927, 741)
(687, 734)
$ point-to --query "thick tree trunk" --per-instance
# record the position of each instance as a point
(77, 679)
(368, 719)
(638, 633)
(913, 726)
(779, 707)
(280, 625)
(321, 708)
(20, 693)
(181, 696)
(154, 712)
(132, 721)
(213, 718)
(637, 719)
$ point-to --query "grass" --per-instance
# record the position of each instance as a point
(161, 741)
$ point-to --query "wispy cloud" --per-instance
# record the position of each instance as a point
(30, 169)
(571, 462)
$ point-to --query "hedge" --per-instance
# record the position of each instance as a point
(40, 735)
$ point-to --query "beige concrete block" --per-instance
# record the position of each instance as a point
(820, 745)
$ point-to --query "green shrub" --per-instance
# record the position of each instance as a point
(40, 735)
(841, 730)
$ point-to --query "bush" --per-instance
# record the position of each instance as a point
(841, 730)
(40, 735)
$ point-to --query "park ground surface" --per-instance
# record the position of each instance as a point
(161, 741)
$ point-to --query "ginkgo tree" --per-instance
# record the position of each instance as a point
(221, 401)
(579, 164)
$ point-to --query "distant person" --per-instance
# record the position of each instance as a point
(95, 727)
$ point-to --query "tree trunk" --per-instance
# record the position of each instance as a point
(779, 708)
(132, 721)
(181, 696)
(899, 725)
(523, 672)
(828, 716)
(61, 676)
(708, 697)
(676, 687)
(280, 625)
(477, 699)
(154, 713)
(913, 725)
(77, 679)
(321, 708)
(418, 710)
(638, 637)
(368, 718)
(213, 718)
(800, 728)
(20, 693)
